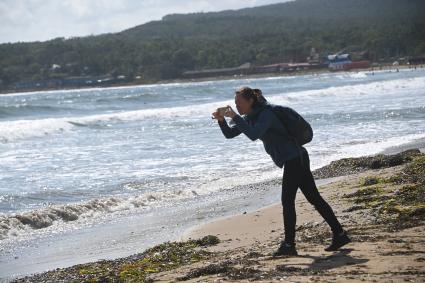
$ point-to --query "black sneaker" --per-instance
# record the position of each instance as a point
(285, 249)
(338, 241)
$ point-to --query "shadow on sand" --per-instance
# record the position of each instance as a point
(322, 263)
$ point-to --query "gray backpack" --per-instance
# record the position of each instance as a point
(296, 125)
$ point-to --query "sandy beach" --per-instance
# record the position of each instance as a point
(379, 201)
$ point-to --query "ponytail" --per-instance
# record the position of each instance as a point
(255, 94)
(259, 94)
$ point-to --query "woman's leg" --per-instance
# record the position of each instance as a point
(289, 191)
(309, 189)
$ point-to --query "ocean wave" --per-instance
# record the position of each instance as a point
(17, 224)
(367, 115)
(28, 109)
(381, 88)
(113, 88)
(131, 96)
(20, 129)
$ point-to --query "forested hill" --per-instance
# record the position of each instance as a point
(376, 29)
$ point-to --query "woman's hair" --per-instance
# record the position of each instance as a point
(255, 93)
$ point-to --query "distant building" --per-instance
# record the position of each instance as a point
(314, 57)
(357, 65)
(337, 61)
(55, 67)
(343, 62)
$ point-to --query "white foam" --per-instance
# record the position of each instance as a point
(20, 129)
(380, 89)
(83, 213)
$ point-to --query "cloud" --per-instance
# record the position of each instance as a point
(32, 20)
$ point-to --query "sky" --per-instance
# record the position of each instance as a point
(40, 20)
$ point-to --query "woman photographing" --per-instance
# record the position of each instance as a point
(259, 122)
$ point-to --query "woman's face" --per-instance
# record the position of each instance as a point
(243, 105)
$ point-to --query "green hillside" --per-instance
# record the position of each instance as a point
(372, 29)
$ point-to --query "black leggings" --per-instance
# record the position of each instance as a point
(297, 174)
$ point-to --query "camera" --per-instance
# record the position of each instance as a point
(222, 110)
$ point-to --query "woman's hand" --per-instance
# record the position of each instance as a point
(216, 115)
(229, 113)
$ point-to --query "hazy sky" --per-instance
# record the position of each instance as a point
(31, 20)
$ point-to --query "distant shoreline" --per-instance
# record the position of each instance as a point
(215, 78)
(276, 75)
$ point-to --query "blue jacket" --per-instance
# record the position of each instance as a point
(261, 123)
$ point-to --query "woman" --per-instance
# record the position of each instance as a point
(259, 122)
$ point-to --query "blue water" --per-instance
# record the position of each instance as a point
(70, 157)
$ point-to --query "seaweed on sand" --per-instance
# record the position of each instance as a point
(135, 268)
(398, 207)
(353, 165)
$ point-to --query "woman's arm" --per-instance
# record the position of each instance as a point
(228, 132)
(255, 131)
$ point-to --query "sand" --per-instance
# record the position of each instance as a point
(373, 256)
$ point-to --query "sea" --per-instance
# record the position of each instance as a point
(100, 173)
